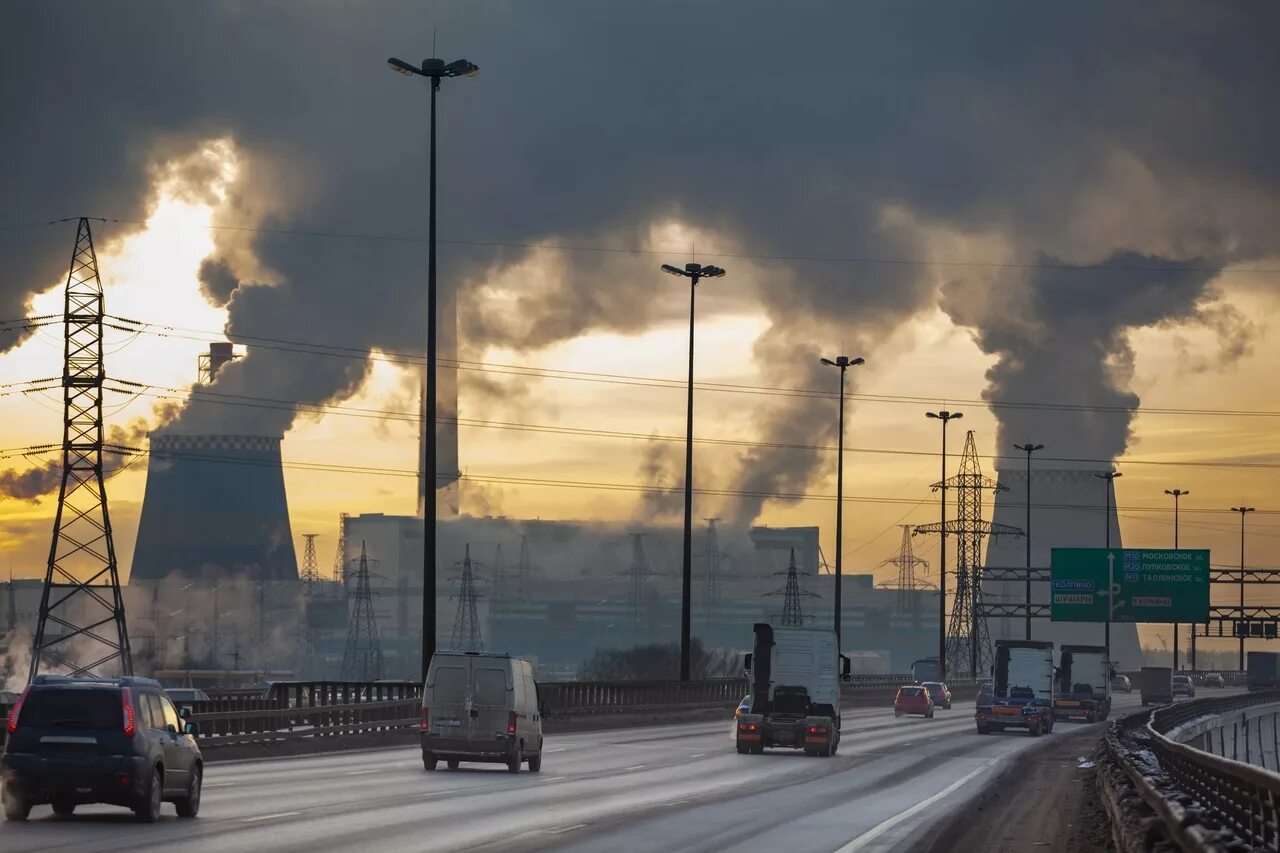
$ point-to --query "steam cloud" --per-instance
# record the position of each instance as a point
(1008, 120)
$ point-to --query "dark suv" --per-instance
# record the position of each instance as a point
(99, 740)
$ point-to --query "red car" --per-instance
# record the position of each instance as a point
(913, 699)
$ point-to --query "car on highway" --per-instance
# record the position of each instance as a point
(744, 707)
(1182, 686)
(913, 699)
(186, 694)
(939, 693)
(478, 706)
(1121, 684)
(1214, 679)
(986, 689)
(118, 741)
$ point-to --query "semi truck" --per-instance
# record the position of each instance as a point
(1022, 689)
(1156, 685)
(925, 669)
(795, 691)
(1084, 684)
(1262, 670)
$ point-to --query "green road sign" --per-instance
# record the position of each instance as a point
(1148, 584)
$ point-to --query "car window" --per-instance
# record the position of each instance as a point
(911, 691)
(450, 683)
(70, 708)
(489, 686)
(149, 709)
(170, 714)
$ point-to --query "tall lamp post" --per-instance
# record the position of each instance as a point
(1243, 510)
(1028, 449)
(433, 70)
(844, 363)
(1176, 494)
(695, 273)
(1109, 477)
(945, 417)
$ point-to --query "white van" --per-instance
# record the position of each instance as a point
(481, 707)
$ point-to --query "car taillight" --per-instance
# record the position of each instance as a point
(746, 727)
(817, 730)
(126, 700)
(511, 722)
(17, 709)
(426, 720)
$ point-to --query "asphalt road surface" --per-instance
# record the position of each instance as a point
(677, 788)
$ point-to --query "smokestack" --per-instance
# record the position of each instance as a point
(208, 365)
(446, 408)
(215, 504)
(1068, 509)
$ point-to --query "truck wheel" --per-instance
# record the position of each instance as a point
(535, 762)
(514, 762)
(743, 749)
(16, 806)
(758, 749)
(982, 730)
(453, 763)
(1034, 731)
(429, 761)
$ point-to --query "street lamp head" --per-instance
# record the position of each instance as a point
(460, 68)
(401, 67)
(1177, 493)
(828, 362)
(673, 270)
(712, 272)
(1028, 448)
(857, 361)
(1242, 509)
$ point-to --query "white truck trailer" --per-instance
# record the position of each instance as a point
(795, 691)
(1084, 684)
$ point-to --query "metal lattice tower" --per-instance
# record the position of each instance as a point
(81, 625)
(310, 575)
(499, 574)
(466, 623)
(638, 574)
(712, 579)
(340, 559)
(362, 659)
(524, 569)
(906, 562)
(968, 640)
(793, 615)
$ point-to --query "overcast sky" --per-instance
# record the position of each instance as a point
(1008, 202)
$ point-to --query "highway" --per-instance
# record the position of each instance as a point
(676, 788)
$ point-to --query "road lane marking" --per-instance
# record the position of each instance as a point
(863, 840)
(361, 772)
(557, 749)
(636, 767)
(697, 755)
(552, 778)
(563, 829)
(268, 817)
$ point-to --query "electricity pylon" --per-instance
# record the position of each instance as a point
(362, 659)
(906, 562)
(793, 615)
(638, 574)
(81, 623)
(310, 575)
(466, 622)
(712, 579)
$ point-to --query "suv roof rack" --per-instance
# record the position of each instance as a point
(119, 681)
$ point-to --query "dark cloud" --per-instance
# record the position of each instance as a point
(780, 133)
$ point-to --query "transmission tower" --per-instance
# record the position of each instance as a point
(499, 571)
(524, 569)
(906, 562)
(712, 579)
(81, 626)
(968, 640)
(310, 575)
(362, 659)
(466, 623)
(638, 574)
(340, 559)
(793, 615)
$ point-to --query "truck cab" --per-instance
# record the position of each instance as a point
(1023, 689)
(1084, 684)
(1156, 684)
(795, 691)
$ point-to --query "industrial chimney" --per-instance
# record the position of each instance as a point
(1068, 511)
(208, 364)
(215, 505)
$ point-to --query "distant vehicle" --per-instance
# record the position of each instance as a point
(186, 694)
(1084, 684)
(925, 669)
(795, 688)
(1182, 686)
(100, 740)
(744, 707)
(1023, 692)
(481, 707)
(1121, 683)
(1214, 679)
(1262, 671)
(939, 693)
(1156, 684)
(985, 692)
(913, 699)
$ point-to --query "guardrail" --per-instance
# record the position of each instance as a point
(1199, 801)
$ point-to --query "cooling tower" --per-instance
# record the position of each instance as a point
(215, 505)
(1068, 511)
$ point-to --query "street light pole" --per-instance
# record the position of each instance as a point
(1028, 448)
(433, 70)
(1176, 494)
(945, 417)
(695, 273)
(1243, 510)
(843, 362)
(1110, 478)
